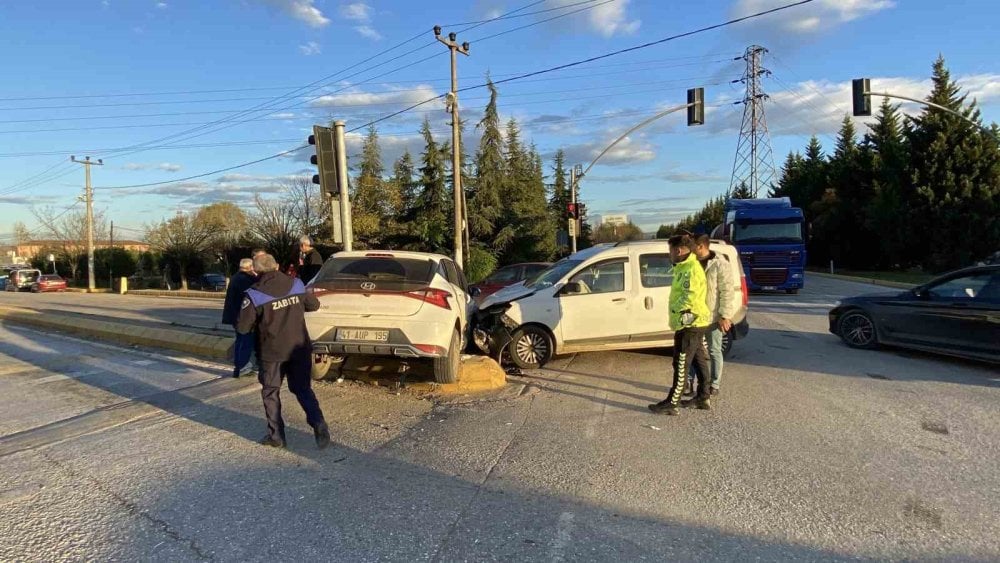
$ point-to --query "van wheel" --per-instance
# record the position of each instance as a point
(446, 368)
(530, 347)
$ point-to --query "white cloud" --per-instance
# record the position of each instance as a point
(369, 32)
(161, 5)
(359, 98)
(632, 150)
(302, 10)
(163, 166)
(310, 48)
(611, 19)
(284, 115)
(819, 15)
(357, 11)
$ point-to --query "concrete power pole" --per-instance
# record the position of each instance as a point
(572, 199)
(456, 140)
(754, 163)
(345, 204)
(88, 196)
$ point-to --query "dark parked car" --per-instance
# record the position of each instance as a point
(211, 282)
(48, 282)
(508, 275)
(957, 314)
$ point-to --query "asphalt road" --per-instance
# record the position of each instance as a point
(813, 452)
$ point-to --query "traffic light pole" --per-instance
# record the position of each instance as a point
(456, 146)
(345, 204)
(572, 200)
(88, 196)
(862, 102)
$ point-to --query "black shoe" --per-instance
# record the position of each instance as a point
(272, 442)
(664, 407)
(702, 403)
(713, 391)
(236, 374)
(322, 433)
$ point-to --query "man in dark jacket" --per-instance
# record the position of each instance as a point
(310, 260)
(275, 306)
(244, 345)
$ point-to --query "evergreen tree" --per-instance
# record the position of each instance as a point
(559, 200)
(887, 211)
(402, 178)
(840, 228)
(431, 208)
(368, 199)
(955, 174)
(742, 191)
(485, 205)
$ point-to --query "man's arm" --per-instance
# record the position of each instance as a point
(248, 317)
(727, 306)
(310, 301)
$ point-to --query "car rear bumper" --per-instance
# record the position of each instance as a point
(370, 349)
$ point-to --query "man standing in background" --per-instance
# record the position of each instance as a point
(310, 260)
(244, 345)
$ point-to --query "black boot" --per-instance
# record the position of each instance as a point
(664, 407)
(322, 434)
(272, 442)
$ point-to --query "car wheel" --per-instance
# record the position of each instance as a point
(857, 330)
(530, 347)
(446, 368)
(321, 364)
(727, 343)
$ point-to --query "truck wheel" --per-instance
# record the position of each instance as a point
(530, 347)
(791, 291)
(446, 368)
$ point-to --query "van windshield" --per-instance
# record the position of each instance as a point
(554, 273)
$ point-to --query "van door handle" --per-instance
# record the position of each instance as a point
(619, 300)
(649, 303)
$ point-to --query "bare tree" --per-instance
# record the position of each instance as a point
(68, 233)
(307, 203)
(231, 228)
(21, 234)
(277, 225)
(184, 237)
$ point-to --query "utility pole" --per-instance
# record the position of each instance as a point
(345, 203)
(88, 196)
(572, 199)
(754, 163)
(111, 256)
(456, 147)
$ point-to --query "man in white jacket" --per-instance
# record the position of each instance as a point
(721, 302)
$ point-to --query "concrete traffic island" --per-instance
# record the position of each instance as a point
(478, 374)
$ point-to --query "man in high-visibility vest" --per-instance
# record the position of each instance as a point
(690, 318)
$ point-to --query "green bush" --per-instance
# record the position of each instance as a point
(481, 264)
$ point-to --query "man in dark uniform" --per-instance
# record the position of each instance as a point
(275, 306)
(244, 345)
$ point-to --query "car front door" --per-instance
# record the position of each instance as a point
(650, 320)
(599, 312)
(948, 315)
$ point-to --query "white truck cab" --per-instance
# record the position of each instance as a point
(608, 297)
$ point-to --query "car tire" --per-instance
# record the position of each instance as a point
(857, 329)
(321, 364)
(446, 368)
(530, 347)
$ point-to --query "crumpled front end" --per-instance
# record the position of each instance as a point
(492, 330)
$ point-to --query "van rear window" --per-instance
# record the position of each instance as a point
(385, 273)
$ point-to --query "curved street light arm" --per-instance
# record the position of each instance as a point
(933, 105)
(632, 130)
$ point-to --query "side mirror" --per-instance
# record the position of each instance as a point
(475, 291)
(571, 288)
(920, 292)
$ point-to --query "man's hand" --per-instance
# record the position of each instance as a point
(725, 325)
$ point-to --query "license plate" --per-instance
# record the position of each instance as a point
(769, 288)
(362, 334)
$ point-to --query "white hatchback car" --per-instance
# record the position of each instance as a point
(388, 303)
(608, 297)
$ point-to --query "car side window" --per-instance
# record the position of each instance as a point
(991, 293)
(603, 277)
(533, 270)
(963, 288)
(503, 275)
(451, 272)
(656, 270)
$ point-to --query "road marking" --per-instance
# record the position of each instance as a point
(564, 532)
(143, 362)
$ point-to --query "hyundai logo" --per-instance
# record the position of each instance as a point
(368, 286)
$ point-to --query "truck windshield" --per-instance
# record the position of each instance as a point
(767, 232)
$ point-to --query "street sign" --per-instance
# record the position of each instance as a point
(572, 227)
(52, 257)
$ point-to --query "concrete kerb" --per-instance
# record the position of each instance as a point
(872, 281)
(206, 346)
(478, 374)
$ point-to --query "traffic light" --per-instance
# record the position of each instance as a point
(861, 90)
(581, 210)
(326, 159)
(571, 211)
(696, 112)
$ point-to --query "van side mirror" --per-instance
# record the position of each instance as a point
(475, 291)
(571, 288)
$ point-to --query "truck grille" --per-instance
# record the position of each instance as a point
(772, 258)
(768, 276)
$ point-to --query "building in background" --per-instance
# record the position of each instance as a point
(32, 247)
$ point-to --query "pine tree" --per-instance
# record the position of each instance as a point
(742, 191)
(485, 205)
(560, 186)
(431, 208)
(887, 211)
(402, 178)
(955, 174)
(369, 193)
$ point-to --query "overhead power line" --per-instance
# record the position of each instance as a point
(519, 77)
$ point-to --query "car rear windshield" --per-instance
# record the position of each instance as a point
(50, 278)
(375, 273)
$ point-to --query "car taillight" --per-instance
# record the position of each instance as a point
(430, 295)
(318, 291)
(431, 349)
(743, 288)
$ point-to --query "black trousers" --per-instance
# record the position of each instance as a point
(689, 347)
(297, 370)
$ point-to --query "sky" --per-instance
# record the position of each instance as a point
(164, 90)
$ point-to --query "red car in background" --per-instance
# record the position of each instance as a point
(508, 275)
(48, 282)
